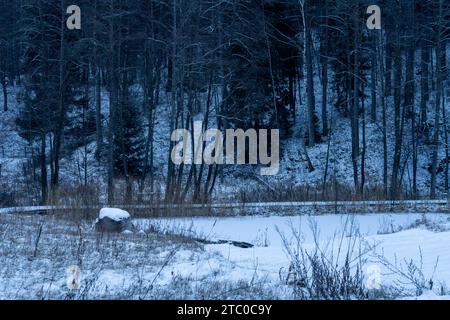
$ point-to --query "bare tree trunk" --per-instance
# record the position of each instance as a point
(414, 151)
(434, 154)
(43, 163)
(398, 115)
(364, 146)
(173, 78)
(381, 68)
(98, 93)
(327, 161)
(373, 81)
(324, 63)
(308, 63)
(310, 89)
(98, 113)
(355, 107)
(424, 83)
(113, 86)
(198, 183)
(150, 82)
(444, 118)
(61, 103)
(439, 89)
(388, 66)
(410, 92)
(292, 102)
(304, 149)
(324, 99)
(85, 108)
(269, 57)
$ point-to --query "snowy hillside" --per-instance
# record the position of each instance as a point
(294, 173)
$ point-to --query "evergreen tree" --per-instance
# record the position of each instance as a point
(129, 142)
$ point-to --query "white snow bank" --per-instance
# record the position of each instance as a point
(429, 295)
(397, 244)
(114, 214)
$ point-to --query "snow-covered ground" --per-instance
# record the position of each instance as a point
(394, 243)
(407, 255)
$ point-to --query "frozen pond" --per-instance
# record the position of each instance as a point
(253, 229)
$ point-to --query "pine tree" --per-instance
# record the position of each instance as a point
(129, 143)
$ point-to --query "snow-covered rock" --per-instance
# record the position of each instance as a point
(113, 220)
(114, 214)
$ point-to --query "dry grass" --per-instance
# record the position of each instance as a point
(288, 191)
(37, 250)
